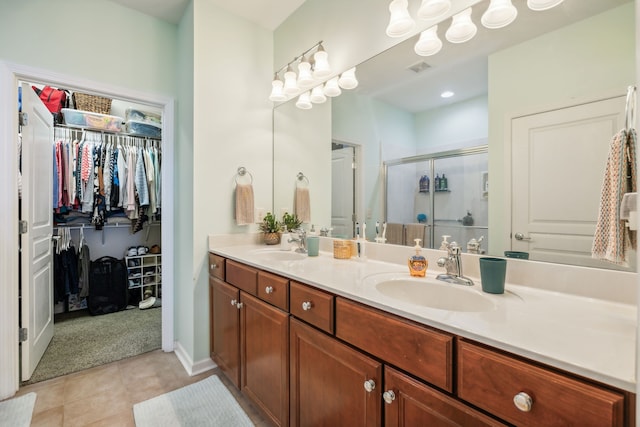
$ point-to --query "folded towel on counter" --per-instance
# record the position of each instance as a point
(612, 239)
(303, 204)
(395, 233)
(412, 232)
(244, 204)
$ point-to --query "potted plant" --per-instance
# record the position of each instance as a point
(270, 228)
(291, 221)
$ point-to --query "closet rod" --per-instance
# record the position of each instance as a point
(115, 225)
(106, 132)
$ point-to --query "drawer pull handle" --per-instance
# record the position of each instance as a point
(306, 306)
(269, 289)
(389, 396)
(239, 305)
(523, 401)
(214, 266)
(369, 385)
(234, 302)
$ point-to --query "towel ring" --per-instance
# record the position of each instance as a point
(302, 178)
(242, 171)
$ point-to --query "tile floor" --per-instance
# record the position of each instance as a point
(105, 395)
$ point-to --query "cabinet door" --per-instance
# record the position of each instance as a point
(411, 403)
(265, 357)
(225, 328)
(327, 382)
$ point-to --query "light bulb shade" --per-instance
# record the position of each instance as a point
(500, 13)
(277, 95)
(317, 95)
(290, 83)
(433, 9)
(321, 67)
(400, 22)
(429, 43)
(303, 102)
(305, 78)
(462, 28)
(348, 79)
(331, 88)
(539, 5)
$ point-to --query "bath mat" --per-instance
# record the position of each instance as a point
(205, 403)
(16, 412)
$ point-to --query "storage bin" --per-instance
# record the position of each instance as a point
(151, 130)
(91, 103)
(142, 116)
(96, 121)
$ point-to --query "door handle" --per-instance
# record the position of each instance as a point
(520, 236)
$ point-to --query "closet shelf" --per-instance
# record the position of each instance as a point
(87, 129)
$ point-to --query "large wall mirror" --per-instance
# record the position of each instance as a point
(546, 94)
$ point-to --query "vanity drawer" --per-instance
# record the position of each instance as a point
(491, 380)
(312, 305)
(273, 289)
(245, 278)
(216, 266)
(417, 349)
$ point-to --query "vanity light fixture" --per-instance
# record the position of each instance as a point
(429, 43)
(462, 28)
(400, 22)
(499, 14)
(290, 83)
(540, 5)
(305, 78)
(277, 95)
(317, 95)
(304, 101)
(348, 79)
(331, 88)
(321, 67)
(433, 9)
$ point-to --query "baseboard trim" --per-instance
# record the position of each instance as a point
(188, 364)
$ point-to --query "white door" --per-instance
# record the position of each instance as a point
(36, 248)
(342, 191)
(558, 162)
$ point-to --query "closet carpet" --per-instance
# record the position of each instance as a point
(81, 341)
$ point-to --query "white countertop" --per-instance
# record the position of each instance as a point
(591, 337)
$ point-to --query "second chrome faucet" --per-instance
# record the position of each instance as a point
(453, 265)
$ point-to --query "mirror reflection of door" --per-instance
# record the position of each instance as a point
(343, 192)
(558, 160)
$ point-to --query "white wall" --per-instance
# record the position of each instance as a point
(590, 58)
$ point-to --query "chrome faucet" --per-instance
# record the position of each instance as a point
(453, 264)
(301, 239)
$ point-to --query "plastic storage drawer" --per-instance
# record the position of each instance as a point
(135, 127)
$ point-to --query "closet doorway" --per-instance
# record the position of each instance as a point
(10, 365)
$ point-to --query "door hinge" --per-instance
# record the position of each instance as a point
(23, 119)
(23, 226)
(23, 334)
(353, 165)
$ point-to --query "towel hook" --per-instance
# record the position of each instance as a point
(242, 171)
(630, 112)
(302, 178)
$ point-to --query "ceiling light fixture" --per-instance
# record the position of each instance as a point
(540, 5)
(331, 88)
(499, 14)
(321, 67)
(348, 79)
(433, 9)
(277, 95)
(317, 95)
(429, 43)
(400, 22)
(305, 78)
(462, 28)
(290, 83)
(304, 101)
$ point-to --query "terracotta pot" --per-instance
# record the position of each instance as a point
(271, 238)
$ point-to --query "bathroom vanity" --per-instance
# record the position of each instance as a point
(311, 342)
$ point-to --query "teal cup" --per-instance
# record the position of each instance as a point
(492, 274)
(516, 254)
(313, 245)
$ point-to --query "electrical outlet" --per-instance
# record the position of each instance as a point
(260, 213)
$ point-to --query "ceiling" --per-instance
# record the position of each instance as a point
(266, 13)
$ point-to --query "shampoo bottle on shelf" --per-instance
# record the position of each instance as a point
(418, 263)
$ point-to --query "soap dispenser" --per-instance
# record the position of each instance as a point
(418, 263)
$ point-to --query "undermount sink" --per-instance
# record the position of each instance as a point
(432, 293)
(278, 255)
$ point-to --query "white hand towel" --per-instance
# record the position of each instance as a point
(244, 204)
(612, 239)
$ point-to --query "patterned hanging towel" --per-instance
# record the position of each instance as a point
(612, 238)
(244, 204)
(303, 204)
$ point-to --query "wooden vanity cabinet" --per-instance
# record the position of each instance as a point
(328, 381)
(250, 339)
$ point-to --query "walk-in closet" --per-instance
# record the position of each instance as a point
(94, 293)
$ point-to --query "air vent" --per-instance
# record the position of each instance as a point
(419, 67)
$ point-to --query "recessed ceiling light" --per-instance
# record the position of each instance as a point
(447, 94)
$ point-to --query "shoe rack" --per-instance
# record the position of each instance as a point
(145, 273)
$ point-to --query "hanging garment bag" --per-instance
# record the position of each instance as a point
(107, 286)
